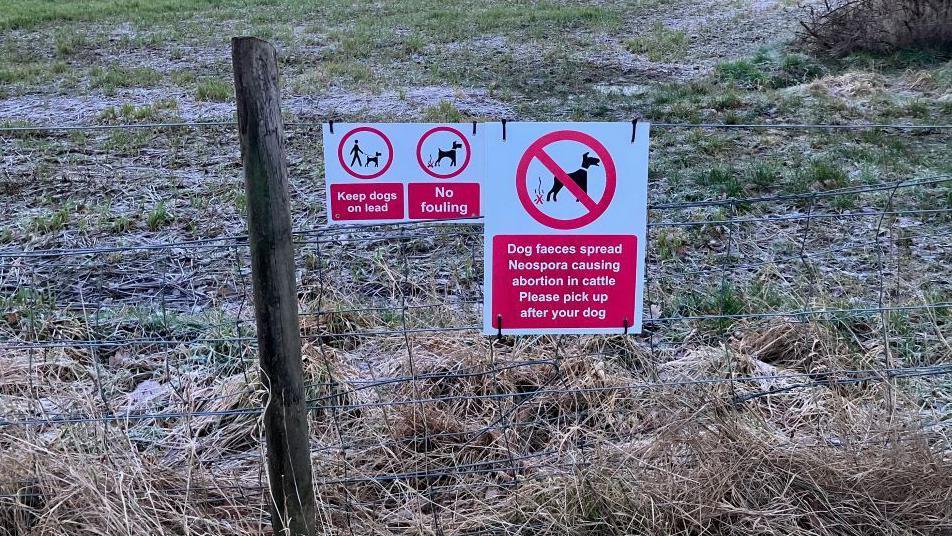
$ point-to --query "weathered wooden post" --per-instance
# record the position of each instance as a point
(275, 291)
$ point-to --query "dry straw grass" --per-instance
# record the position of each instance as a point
(536, 437)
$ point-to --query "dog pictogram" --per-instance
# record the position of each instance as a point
(575, 182)
(437, 139)
(365, 150)
(579, 177)
(448, 153)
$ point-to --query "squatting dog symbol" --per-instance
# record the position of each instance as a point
(579, 177)
(449, 153)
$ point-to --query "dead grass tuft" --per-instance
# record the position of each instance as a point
(728, 480)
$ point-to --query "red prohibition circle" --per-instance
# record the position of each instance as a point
(536, 148)
(419, 152)
(372, 130)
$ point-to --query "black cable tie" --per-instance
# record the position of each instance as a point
(634, 129)
(503, 130)
(330, 124)
(474, 128)
(499, 326)
(625, 323)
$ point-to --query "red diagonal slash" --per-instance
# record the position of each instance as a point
(564, 178)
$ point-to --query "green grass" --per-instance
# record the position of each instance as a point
(675, 92)
(54, 222)
(916, 108)
(671, 243)
(764, 175)
(158, 217)
(120, 224)
(844, 202)
(33, 72)
(357, 42)
(183, 77)
(69, 42)
(400, 33)
(215, 91)
(131, 113)
(111, 78)
(15, 14)
(347, 70)
(898, 61)
(769, 70)
(444, 112)
(446, 21)
(660, 44)
(721, 179)
(827, 175)
(744, 71)
(726, 100)
(722, 299)
(124, 141)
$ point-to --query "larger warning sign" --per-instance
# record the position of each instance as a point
(565, 228)
(391, 172)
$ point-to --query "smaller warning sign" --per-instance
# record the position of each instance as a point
(444, 152)
(363, 161)
(391, 172)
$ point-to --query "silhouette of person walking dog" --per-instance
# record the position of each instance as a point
(356, 151)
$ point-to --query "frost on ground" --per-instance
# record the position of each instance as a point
(736, 412)
(333, 103)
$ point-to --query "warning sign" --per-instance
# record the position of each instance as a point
(575, 182)
(565, 228)
(390, 172)
(444, 152)
(363, 162)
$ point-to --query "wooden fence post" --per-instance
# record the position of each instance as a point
(261, 127)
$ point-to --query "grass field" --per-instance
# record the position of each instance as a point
(597, 452)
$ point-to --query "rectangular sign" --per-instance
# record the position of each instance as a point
(565, 228)
(359, 202)
(393, 172)
(431, 200)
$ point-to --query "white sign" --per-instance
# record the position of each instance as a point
(565, 228)
(391, 172)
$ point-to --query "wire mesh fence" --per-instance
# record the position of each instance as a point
(799, 313)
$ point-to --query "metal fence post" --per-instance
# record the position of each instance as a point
(263, 155)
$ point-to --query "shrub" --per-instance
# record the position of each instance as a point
(842, 27)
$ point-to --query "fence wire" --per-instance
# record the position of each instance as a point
(775, 309)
